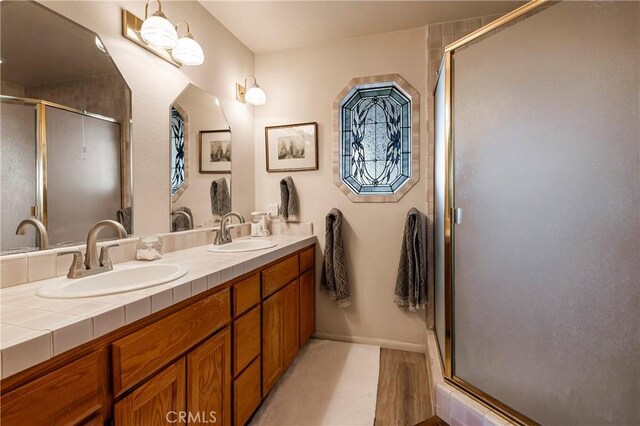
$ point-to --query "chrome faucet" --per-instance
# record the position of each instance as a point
(92, 263)
(186, 215)
(43, 237)
(224, 236)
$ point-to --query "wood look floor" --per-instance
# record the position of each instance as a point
(403, 389)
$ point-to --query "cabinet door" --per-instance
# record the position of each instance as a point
(65, 396)
(209, 381)
(159, 401)
(291, 322)
(246, 393)
(272, 340)
(246, 340)
(307, 306)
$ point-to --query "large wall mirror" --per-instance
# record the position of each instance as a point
(65, 134)
(201, 154)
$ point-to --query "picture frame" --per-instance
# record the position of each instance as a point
(291, 147)
(215, 151)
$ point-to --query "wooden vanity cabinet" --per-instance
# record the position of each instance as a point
(209, 380)
(208, 360)
(272, 341)
(196, 387)
(156, 402)
(73, 394)
(307, 295)
(290, 322)
(280, 338)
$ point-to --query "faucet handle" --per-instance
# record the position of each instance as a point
(105, 260)
(77, 264)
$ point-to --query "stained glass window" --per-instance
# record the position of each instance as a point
(375, 138)
(177, 150)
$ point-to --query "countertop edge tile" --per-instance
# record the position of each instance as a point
(205, 272)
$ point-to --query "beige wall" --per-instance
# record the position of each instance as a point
(155, 84)
(301, 85)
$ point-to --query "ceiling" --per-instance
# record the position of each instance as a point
(266, 26)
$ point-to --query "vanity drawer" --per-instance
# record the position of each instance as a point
(279, 275)
(246, 393)
(246, 339)
(246, 294)
(307, 259)
(66, 396)
(142, 353)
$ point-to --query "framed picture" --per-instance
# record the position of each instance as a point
(215, 151)
(293, 147)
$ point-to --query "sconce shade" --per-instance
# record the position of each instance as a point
(159, 32)
(188, 51)
(255, 96)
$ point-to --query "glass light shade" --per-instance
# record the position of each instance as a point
(188, 52)
(157, 31)
(255, 96)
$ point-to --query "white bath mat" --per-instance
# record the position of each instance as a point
(329, 383)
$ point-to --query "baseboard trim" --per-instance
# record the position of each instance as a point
(383, 343)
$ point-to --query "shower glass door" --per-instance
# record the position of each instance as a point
(545, 166)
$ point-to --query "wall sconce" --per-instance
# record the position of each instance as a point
(158, 35)
(156, 29)
(187, 51)
(252, 94)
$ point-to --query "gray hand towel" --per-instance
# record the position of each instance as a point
(411, 284)
(220, 197)
(288, 198)
(124, 217)
(334, 280)
(179, 222)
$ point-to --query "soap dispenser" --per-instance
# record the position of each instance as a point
(259, 224)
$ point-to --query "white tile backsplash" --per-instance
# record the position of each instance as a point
(42, 265)
(13, 270)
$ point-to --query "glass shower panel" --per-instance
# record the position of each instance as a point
(547, 257)
(18, 172)
(83, 175)
(439, 185)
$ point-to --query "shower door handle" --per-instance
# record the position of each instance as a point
(457, 215)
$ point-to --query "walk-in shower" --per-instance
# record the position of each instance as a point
(60, 165)
(538, 213)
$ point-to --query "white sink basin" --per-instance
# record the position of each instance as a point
(120, 280)
(239, 246)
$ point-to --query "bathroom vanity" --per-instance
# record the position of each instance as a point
(208, 359)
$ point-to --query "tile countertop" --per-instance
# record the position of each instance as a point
(35, 329)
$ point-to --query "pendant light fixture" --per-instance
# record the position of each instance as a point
(157, 30)
(187, 51)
